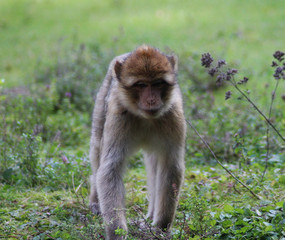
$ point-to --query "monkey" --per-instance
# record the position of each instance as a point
(138, 106)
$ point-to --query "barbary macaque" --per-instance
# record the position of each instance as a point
(139, 106)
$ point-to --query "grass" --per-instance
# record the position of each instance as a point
(50, 48)
(31, 29)
(39, 213)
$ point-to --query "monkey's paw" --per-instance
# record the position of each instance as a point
(95, 208)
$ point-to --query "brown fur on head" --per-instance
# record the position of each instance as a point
(147, 63)
(147, 78)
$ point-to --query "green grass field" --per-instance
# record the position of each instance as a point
(49, 48)
(247, 32)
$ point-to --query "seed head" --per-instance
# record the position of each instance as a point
(221, 63)
(279, 56)
(279, 73)
(274, 64)
(242, 81)
(228, 95)
(212, 71)
(221, 78)
(231, 73)
(206, 60)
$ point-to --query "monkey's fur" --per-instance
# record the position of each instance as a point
(139, 106)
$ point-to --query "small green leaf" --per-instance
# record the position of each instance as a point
(258, 212)
(249, 181)
(192, 227)
(227, 223)
(282, 222)
(241, 223)
(280, 204)
(228, 208)
(213, 223)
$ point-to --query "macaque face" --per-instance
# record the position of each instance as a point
(147, 78)
(150, 96)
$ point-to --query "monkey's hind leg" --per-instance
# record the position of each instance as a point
(94, 202)
(93, 199)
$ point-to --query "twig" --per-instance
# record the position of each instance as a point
(11, 236)
(184, 222)
(236, 189)
(267, 130)
(257, 109)
(83, 204)
(214, 155)
(147, 225)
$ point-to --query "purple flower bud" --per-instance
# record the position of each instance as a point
(274, 64)
(279, 70)
(279, 55)
(244, 80)
(276, 76)
(221, 63)
(228, 78)
(64, 159)
(212, 71)
(68, 94)
(221, 78)
(228, 95)
(278, 73)
(206, 60)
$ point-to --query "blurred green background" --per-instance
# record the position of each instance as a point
(245, 31)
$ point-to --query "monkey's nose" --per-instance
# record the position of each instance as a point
(151, 101)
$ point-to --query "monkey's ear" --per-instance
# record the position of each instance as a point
(174, 62)
(118, 69)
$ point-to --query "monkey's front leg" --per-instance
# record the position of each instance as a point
(111, 192)
(169, 179)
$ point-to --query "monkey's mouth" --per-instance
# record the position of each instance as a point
(151, 112)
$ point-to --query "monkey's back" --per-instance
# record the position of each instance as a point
(101, 101)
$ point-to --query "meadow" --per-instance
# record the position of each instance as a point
(53, 57)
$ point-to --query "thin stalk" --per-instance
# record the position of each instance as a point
(214, 155)
(267, 130)
(259, 111)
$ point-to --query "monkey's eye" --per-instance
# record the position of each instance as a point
(158, 83)
(140, 85)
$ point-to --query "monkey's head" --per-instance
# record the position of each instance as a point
(147, 79)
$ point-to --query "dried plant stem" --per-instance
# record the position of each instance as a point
(267, 130)
(82, 203)
(257, 109)
(183, 226)
(214, 155)
(148, 226)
